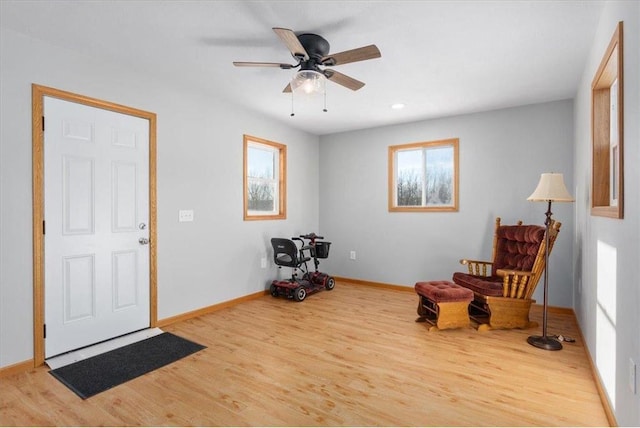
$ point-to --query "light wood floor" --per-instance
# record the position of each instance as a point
(351, 356)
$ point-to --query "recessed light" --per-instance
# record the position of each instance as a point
(397, 106)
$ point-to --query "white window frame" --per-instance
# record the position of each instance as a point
(614, 158)
(423, 147)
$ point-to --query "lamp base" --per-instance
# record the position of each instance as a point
(545, 342)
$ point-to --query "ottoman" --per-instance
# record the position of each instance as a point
(443, 304)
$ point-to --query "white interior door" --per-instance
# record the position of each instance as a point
(96, 211)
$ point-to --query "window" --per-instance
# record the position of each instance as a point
(265, 178)
(424, 176)
(607, 191)
(614, 146)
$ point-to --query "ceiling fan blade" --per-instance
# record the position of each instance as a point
(287, 89)
(353, 55)
(343, 79)
(263, 64)
(292, 43)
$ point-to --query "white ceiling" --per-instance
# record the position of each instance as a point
(440, 58)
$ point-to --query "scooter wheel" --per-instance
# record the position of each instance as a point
(273, 290)
(299, 294)
(330, 283)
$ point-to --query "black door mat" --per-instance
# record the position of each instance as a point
(97, 374)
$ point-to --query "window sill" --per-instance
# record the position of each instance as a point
(611, 212)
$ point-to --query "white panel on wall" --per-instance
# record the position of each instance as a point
(79, 287)
(78, 130)
(123, 191)
(78, 195)
(124, 277)
(124, 138)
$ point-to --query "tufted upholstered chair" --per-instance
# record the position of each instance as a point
(503, 288)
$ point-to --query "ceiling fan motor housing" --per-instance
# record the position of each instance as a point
(316, 46)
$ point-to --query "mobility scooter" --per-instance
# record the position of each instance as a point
(287, 253)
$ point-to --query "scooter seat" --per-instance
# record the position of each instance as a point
(286, 253)
(284, 259)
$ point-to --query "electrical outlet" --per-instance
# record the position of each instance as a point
(632, 376)
(352, 255)
(263, 263)
(185, 215)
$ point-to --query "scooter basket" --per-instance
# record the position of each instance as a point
(322, 249)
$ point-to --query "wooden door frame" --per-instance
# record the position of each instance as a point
(38, 93)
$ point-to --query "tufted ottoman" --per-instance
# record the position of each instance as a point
(443, 304)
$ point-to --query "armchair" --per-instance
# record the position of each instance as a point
(504, 286)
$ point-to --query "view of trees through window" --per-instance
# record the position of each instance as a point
(424, 175)
(262, 163)
(264, 179)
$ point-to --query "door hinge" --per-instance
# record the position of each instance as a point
(43, 226)
(44, 330)
(43, 123)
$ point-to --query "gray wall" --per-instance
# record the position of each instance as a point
(608, 309)
(214, 259)
(502, 154)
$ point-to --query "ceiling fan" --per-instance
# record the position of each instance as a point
(311, 52)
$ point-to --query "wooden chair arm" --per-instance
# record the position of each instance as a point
(515, 282)
(503, 272)
(477, 267)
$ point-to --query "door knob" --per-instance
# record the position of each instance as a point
(143, 241)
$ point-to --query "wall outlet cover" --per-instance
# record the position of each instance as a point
(185, 215)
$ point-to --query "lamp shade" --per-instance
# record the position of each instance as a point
(308, 82)
(551, 188)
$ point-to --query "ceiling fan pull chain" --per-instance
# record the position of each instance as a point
(292, 113)
(325, 101)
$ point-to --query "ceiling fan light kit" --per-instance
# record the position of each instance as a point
(308, 82)
(311, 51)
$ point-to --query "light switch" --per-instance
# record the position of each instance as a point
(185, 215)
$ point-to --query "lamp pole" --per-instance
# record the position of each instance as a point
(544, 341)
(551, 188)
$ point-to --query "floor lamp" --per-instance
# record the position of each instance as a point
(551, 188)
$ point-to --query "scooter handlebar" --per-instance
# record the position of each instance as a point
(311, 236)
